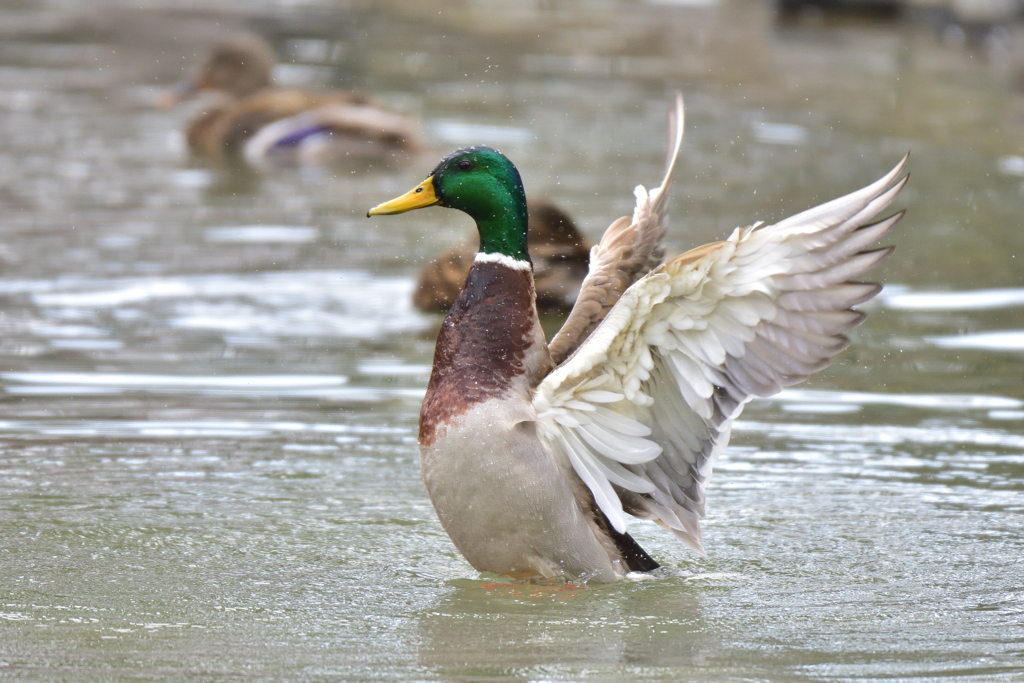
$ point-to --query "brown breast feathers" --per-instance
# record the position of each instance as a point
(481, 346)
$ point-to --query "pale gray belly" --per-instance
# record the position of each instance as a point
(505, 502)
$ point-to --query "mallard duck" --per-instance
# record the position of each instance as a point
(249, 118)
(534, 454)
(560, 254)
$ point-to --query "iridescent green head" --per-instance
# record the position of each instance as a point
(483, 183)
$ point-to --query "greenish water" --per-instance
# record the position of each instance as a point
(211, 379)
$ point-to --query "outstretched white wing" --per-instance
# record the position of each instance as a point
(646, 404)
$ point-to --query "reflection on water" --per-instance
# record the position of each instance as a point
(211, 377)
(251, 306)
(559, 630)
(979, 300)
(1012, 340)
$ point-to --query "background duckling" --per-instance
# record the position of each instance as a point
(560, 252)
(249, 118)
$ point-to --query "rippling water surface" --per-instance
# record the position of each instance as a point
(210, 378)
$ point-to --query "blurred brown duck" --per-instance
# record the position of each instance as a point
(561, 256)
(251, 119)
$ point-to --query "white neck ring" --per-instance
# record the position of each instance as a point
(507, 261)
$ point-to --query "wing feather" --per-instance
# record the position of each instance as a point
(643, 408)
(584, 463)
(629, 249)
(832, 298)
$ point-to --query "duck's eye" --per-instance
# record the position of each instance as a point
(465, 165)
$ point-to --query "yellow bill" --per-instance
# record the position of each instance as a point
(418, 197)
